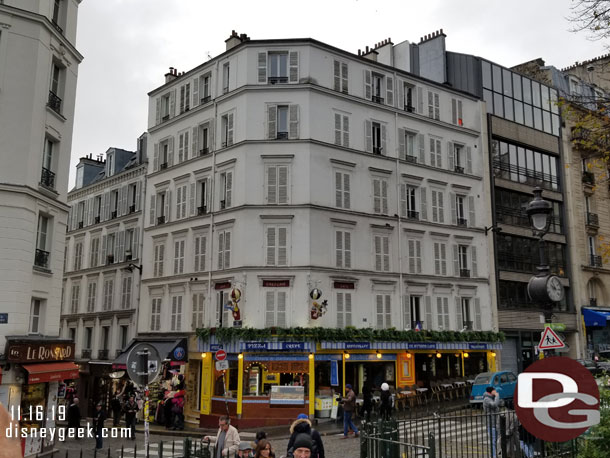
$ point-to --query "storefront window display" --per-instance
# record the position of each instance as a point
(33, 399)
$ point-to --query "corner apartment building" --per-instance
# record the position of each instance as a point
(587, 179)
(526, 150)
(103, 256)
(38, 73)
(282, 166)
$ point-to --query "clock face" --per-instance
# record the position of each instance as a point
(554, 289)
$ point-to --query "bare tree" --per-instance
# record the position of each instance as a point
(592, 16)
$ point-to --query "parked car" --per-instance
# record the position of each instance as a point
(503, 382)
(595, 367)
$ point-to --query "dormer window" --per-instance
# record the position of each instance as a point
(79, 176)
(110, 164)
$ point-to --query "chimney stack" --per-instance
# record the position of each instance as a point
(236, 39)
(171, 75)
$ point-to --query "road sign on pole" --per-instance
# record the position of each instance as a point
(221, 355)
(550, 340)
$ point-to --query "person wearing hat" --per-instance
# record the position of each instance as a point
(385, 410)
(245, 450)
(349, 405)
(99, 417)
(302, 425)
(302, 448)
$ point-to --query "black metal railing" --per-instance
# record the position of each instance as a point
(223, 204)
(412, 214)
(54, 102)
(113, 214)
(465, 273)
(377, 149)
(592, 219)
(81, 224)
(377, 99)
(102, 354)
(47, 178)
(462, 222)
(595, 261)
(41, 258)
(410, 108)
(203, 151)
(165, 117)
(132, 208)
(110, 259)
(163, 166)
(282, 136)
(411, 159)
(85, 353)
(161, 219)
(202, 210)
(588, 178)
(277, 79)
(530, 177)
(96, 219)
(206, 99)
(592, 302)
(468, 325)
(57, 27)
(459, 169)
(518, 217)
(586, 139)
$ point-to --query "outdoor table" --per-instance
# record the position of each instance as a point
(460, 383)
(447, 385)
(422, 390)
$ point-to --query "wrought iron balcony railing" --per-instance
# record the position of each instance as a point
(465, 273)
(467, 325)
(41, 258)
(595, 261)
(102, 354)
(202, 210)
(282, 136)
(277, 79)
(54, 102)
(85, 353)
(161, 219)
(412, 159)
(412, 214)
(47, 178)
(459, 169)
(377, 99)
(462, 222)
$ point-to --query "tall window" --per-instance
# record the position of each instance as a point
(383, 309)
(409, 97)
(408, 201)
(47, 177)
(442, 313)
(440, 258)
(438, 210)
(382, 253)
(456, 112)
(36, 316)
(204, 87)
(225, 77)
(436, 154)
(467, 316)
(342, 189)
(105, 339)
(277, 184)
(183, 146)
(42, 255)
(126, 292)
(198, 307)
(158, 260)
(464, 271)
(94, 252)
(226, 189)
(88, 340)
(434, 105)
(278, 67)
(341, 130)
(414, 255)
(155, 314)
(56, 89)
(275, 308)
(343, 249)
(78, 255)
(91, 296)
(344, 309)
(340, 76)
(380, 196)
(377, 95)
(460, 210)
(108, 294)
(179, 256)
(376, 135)
(176, 317)
(202, 196)
(185, 97)
(276, 246)
(416, 313)
(200, 251)
(203, 133)
(224, 250)
(123, 335)
(75, 298)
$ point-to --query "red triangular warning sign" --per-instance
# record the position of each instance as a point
(550, 340)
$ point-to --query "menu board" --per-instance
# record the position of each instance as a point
(287, 395)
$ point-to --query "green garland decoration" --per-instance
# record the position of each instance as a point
(348, 334)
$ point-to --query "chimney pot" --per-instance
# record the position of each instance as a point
(441, 30)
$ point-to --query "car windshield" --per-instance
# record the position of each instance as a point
(482, 378)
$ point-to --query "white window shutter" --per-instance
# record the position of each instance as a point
(377, 196)
(459, 113)
(403, 200)
(262, 67)
(135, 243)
(418, 256)
(107, 208)
(346, 131)
(388, 310)
(340, 312)
(477, 314)
(195, 92)
(439, 313)
(338, 189)
(439, 154)
(230, 129)
(471, 211)
(473, 261)
(401, 94)
(379, 310)
(338, 130)
(166, 211)
(378, 263)
(437, 258)
(158, 111)
(450, 156)
(469, 160)
(227, 260)
(402, 149)
(428, 312)
(454, 116)
(421, 141)
(441, 207)
(125, 202)
(432, 152)
(294, 66)
(229, 189)
(338, 249)
(271, 122)
(153, 207)
(434, 206)
(347, 250)
(271, 238)
(121, 245)
(384, 151)
(272, 184)
(211, 134)
(437, 111)
(293, 129)
(138, 195)
(172, 103)
(156, 158)
(386, 254)
(170, 160)
(384, 197)
(337, 75)
(221, 245)
(344, 77)
(270, 309)
(282, 248)
(389, 81)
(281, 309)
(420, 100)
(282, 185)
(194, 140)
(368, 136)
(456, 261)
(186, 145)
(453, 208)
(423, 208)
(458, 315)
(411, 248)
(192, 199)
(368, 86)
(346, 190)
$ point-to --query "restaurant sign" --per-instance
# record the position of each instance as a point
(26, 352)
(357, 345)
(421, 346)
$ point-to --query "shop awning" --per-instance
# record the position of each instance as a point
(48, 372)
(174, 350)
(595, 316)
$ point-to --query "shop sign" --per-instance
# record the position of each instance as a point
(422, 346)
(3, 318)
(357, 345)
(334, 373)
(477, 346)
(276, 283)
(39, 351)
(215, 347)
(250, 346)
(179, 353)
(223, 285)
(343, 285)
(293, 346)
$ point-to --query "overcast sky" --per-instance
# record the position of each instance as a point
(129, 45)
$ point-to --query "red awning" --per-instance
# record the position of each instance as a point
(48, 372)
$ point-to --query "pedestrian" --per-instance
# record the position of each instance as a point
(385, 409)
(367, 400)
(74, 417)
(349, 405)
(245, 450)
(131, 409)
(116, 407)
(491, 406)
(302, 425)
(264, 449)
(99, 417)
(526, 442)
(227, 439)
(178, 408)
(302, 448)
(167, 409)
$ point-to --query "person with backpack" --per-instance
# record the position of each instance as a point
(302, 425)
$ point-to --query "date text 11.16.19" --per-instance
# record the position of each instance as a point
(37, 413)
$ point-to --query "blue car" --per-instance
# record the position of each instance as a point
(503, 382)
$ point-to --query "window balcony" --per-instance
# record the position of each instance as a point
(459, 169)
(592, 220)
(206, 99)
(223, 204)
(282, 136)
(41, 259)
(277, 79)
(113, 214)
(462, 222)
(47, 178)
(377, 99)
(85, 353)
(465, 273)
(225, 89)
(411, 159)
(377, 149)
(160, 220)
(110, 259)
(132, 208)
(163, 166)
(54, 102)
(204, 151)
(103, 354)
(410, 108)
(96, 219)
(595, 261)
(523, 175)
(81, 224)
(411, 214)
(588, 178)
(414, 324)
(165, 117)
(468, 325)
(202, 210)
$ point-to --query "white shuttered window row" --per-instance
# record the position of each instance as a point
(341, 130)
(383, 310)
(275, 308)
(198, 308)
(155, 314)
(277, 184)
(200, 252)
(176, 316)
(276, 245)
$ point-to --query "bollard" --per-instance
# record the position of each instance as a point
(135, 450)
(108, 452)
(173, 448)
(94, 452)
(161, 449)
(122, 451)
(66, 454)
(81, 453)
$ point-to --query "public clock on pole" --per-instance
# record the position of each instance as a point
(546, 289)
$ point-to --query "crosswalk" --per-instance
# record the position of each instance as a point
(170, 450)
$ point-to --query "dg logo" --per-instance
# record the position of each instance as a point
(557, 399)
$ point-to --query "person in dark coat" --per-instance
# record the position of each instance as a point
(367, 400)
(116, 407)
(302, 425)
(385, 410)
(99, 417)
(74, 417)
(131, 409)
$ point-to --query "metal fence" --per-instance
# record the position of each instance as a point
(465, 433)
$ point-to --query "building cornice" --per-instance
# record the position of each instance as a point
(109, 182)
